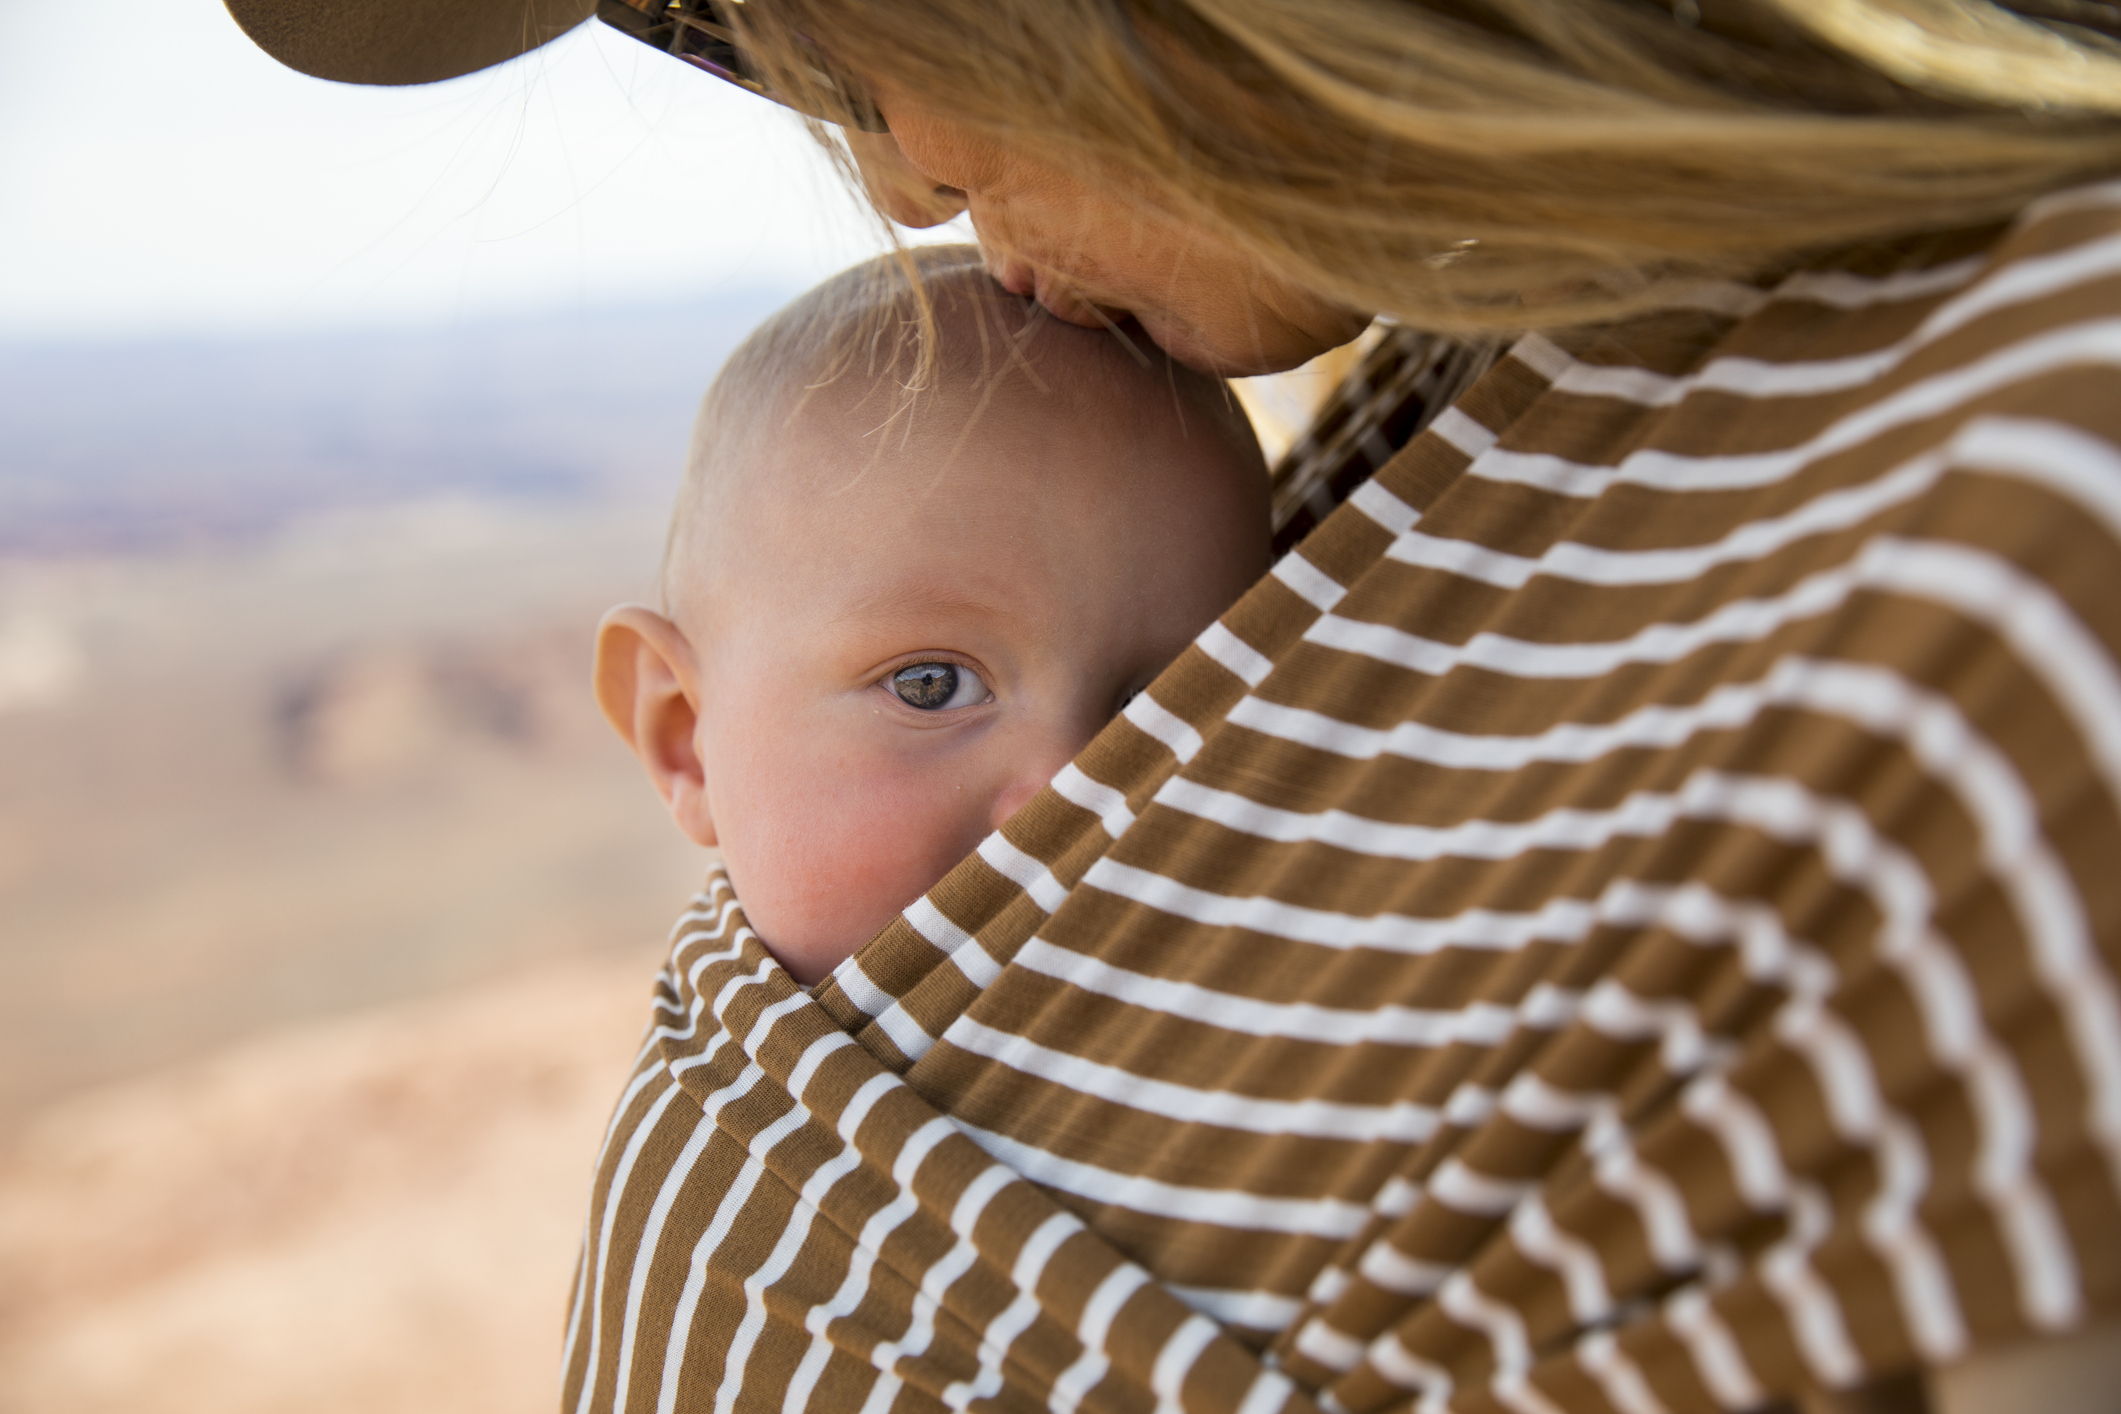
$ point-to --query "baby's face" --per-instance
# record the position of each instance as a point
(898, 646)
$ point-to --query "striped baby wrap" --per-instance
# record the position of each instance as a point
(1623, 919)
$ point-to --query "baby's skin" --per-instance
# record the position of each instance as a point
(879, 642)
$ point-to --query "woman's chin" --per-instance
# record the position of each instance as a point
(1235, 355)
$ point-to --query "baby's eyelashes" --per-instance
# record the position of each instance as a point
(936, 687)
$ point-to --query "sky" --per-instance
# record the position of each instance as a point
(161, 177)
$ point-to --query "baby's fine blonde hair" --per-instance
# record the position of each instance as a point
(1470, 165)
(885, 336)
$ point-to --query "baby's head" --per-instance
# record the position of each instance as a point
(888, 620)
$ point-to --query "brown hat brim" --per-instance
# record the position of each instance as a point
(402, 41)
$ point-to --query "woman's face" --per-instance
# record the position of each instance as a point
(1096, 256)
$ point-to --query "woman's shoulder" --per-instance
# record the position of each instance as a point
(1955, 319)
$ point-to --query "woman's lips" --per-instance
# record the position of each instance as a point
(1014, 276)
(1055, 294)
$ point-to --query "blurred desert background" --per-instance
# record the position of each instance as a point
(328, 906)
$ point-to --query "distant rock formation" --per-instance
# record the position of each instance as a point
(395, 712)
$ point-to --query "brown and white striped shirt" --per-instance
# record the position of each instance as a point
(1624, 919)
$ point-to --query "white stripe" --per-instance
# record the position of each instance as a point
(1101, 800)
(1462, 432)
(2096, 196)
(1754, 1155)
(978, 966)
(1714, 1349)
(1244, 661)
(1642, 814)
(1311, 584)
(1020, 1314)
(1530, 1100)
(934, 925)
(813, 1059)
(1038, 1249)
(1464, 1302)
(1331, 1348)
(1257, 1310)
(1092, 1329)
(2095, 342)
(966, 953)
(1691, 910)
(883, 1393)
(1683, 1047)
(2027, 278)
(2059, 458)
(1620, 1172)
(862, 1259)
(1470, 1105)
(1383, 507)
(939, 1276)
(1397, 1198)
(1814, 1309)
(1219, 1207)
(1838, 509)
(911, 1038)
(1623, 381)
(2065, 460)
(2030, 278)
(1401, 1122)
(1569, 1257)
(1543, 356)
(1269, 1393)
(995, 1340)
(1151, 716)
(855, 985)
(849, 1120)
(1733, 297)
(1384, 1265)
(1748, 1141)
(1483, 929)
(1891, 1223)
(635, 1142)
(732, 1202)
(1331, 1281)
(1839, 289)
(1914, 567)
(1458, 1185)
(1619, 1378)
(1019, 868)
(1390, 1024)
(794, 1236)
(1390, 1358)
(646, 1250)
(1181, 1349)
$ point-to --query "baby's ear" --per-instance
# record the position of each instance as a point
(647, 683)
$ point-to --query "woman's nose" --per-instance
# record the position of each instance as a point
(899, 190)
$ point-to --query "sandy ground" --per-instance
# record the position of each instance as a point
(378, 1213)
(328, 914)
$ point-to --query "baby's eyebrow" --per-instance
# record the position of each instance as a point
(914, 595)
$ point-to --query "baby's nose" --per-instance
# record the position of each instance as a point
(1028, 779)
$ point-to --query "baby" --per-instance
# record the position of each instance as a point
(889, 618)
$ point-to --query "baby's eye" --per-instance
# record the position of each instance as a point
(932, 687)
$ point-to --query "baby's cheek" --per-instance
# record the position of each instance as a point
(836, 856)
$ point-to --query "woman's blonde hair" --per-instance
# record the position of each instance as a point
(1468, 165)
